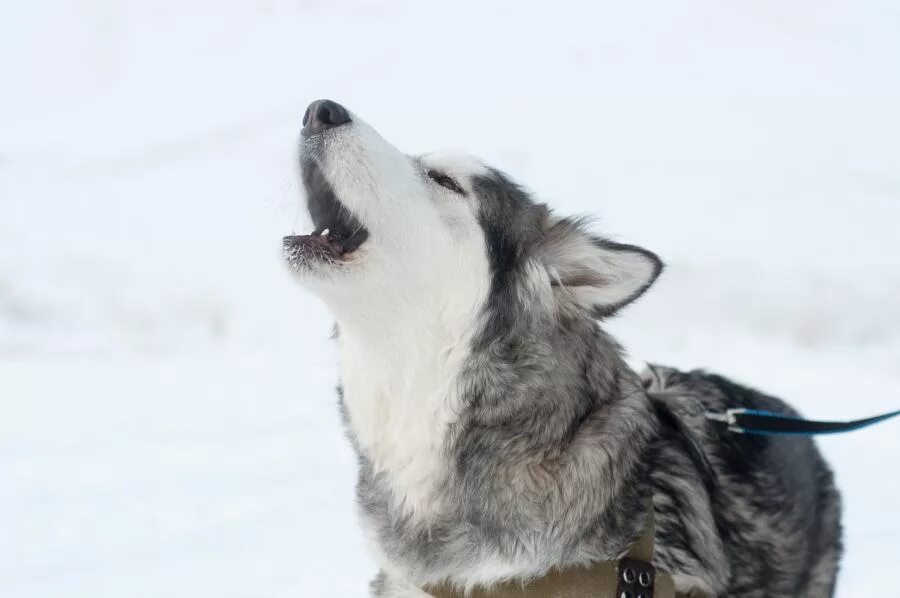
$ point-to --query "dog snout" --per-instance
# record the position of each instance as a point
(322, 115)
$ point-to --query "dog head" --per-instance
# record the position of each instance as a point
(393, 232)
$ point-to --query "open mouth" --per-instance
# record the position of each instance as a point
(337, 233)
(332, 240)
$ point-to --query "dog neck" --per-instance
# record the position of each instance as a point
(400, 362)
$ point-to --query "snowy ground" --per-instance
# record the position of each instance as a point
(167, 424)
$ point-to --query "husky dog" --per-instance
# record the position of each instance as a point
(500, 433)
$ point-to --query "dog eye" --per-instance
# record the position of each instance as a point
(445, 181)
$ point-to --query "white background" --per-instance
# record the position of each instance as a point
(167, 418)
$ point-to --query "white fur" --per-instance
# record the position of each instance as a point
(398, 376)
(461, 166)
(686, 584)
(402, 337)
(493, 569)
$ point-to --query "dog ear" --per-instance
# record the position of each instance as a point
(598, 274)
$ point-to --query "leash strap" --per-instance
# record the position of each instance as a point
(756, 421)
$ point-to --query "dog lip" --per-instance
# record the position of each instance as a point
(306, 251)
(336, 247)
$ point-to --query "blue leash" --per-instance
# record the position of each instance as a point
(756, 421)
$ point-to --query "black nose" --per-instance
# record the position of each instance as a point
(324, 114)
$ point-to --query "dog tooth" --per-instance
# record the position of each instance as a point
(325, 232)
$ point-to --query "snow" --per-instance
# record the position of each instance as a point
(167, 417)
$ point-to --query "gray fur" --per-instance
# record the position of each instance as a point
(559, 444)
